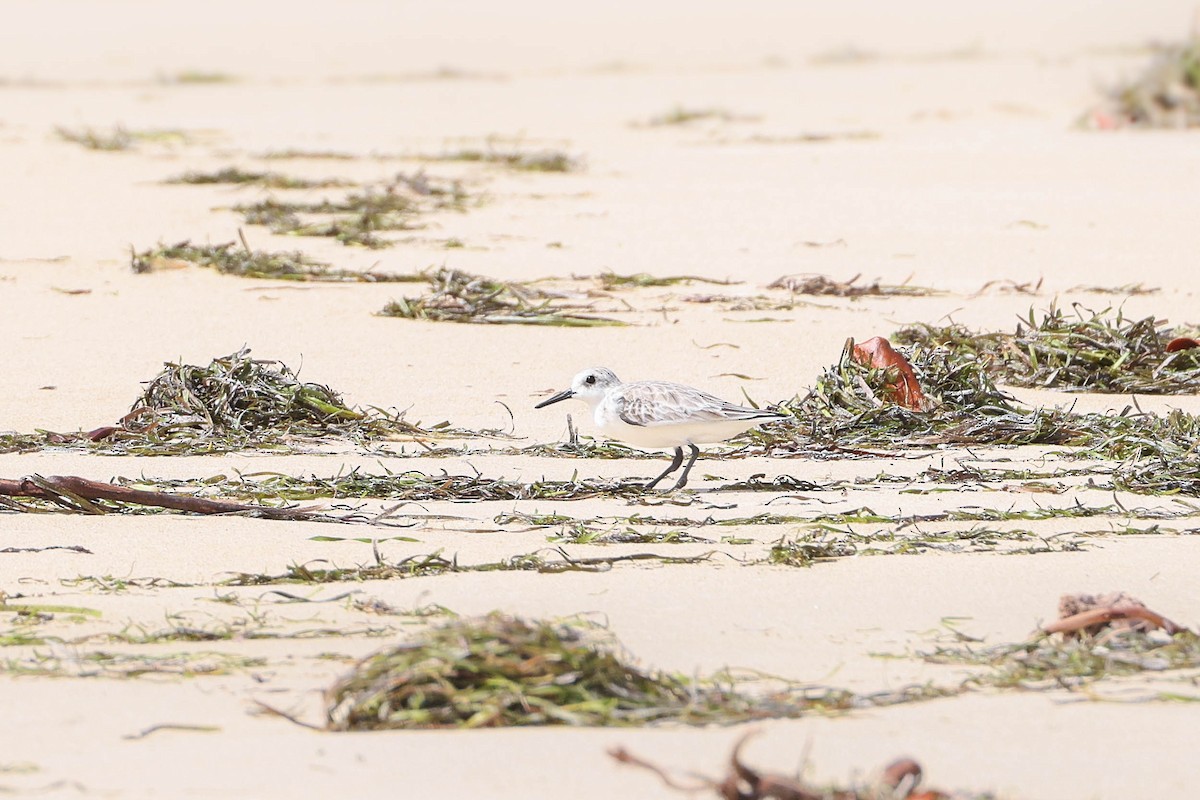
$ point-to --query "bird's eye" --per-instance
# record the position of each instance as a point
(590, 379)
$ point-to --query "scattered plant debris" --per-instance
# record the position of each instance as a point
(528, 161)
(823, 285)
(231, 259)
(681, 116)
(1125, 290)
(611, 280)
(315, 155)
(359, 217)
(101, 664)
(900, 780)
(411, 485)
(432, 564)
(118, 139)
(270, 180)
(461, 297)
(1106, 636)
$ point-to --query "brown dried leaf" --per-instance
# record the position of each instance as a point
(903, 389)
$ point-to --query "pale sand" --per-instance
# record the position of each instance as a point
(973, 172)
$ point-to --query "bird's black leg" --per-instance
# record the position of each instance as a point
(683, 478)
(675, 462)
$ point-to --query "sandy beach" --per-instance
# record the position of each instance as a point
(930, 145)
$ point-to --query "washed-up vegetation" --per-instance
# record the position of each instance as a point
(1085, 351)
(854, 407)
(610, 281)
(294, 154)
(546, 160)
(823, 285)
(456, 296)
(1165, 95)
(103, 664)
(236, 402)
(119, 138)
(847, 409)
(504, 671)
(411, 485)
(1095, 637)
(682, 116)
(231, 258)
(193, 77)
(269, 180)
(359, 217)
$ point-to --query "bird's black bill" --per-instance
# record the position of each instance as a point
(566, 394)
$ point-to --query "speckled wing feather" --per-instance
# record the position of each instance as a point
(647, 403)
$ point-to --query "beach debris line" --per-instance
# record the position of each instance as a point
(231, 258)
(542, 160)
(409, 486)
(545, 561)
(823, 285)
(900, 780)
(456, 296)
(610, 281)
(237, 176)
(94, 497)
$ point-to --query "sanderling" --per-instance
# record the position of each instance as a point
(660, 414)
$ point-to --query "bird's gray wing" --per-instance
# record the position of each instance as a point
(647, 403)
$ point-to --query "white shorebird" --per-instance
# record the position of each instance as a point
(660, 414)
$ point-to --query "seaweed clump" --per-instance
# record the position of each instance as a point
(462, 297)
(1090, 352)
(848, 408)
(237, 402)
(503, 671)
(852, 407)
